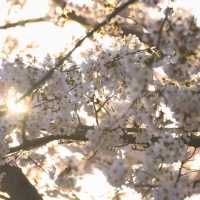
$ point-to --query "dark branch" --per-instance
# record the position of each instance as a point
(38, 142)
(194, 141)
(80, 135)
(23, 22)
(16, 185)
(168, 11)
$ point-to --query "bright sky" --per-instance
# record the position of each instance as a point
(193, 5)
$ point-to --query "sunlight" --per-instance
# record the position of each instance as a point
(12, 105)
(89, 120)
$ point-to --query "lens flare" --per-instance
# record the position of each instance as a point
(14, 106)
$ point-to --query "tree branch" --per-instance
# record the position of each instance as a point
(80, 135)
(23, 22)
(168, 11)
(16, 184)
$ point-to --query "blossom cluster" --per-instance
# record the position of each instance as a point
(119, 86)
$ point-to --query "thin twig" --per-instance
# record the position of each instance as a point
(168, 11)
(23, 22)
(38, 165)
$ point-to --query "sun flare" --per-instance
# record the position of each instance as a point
(14, 106)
